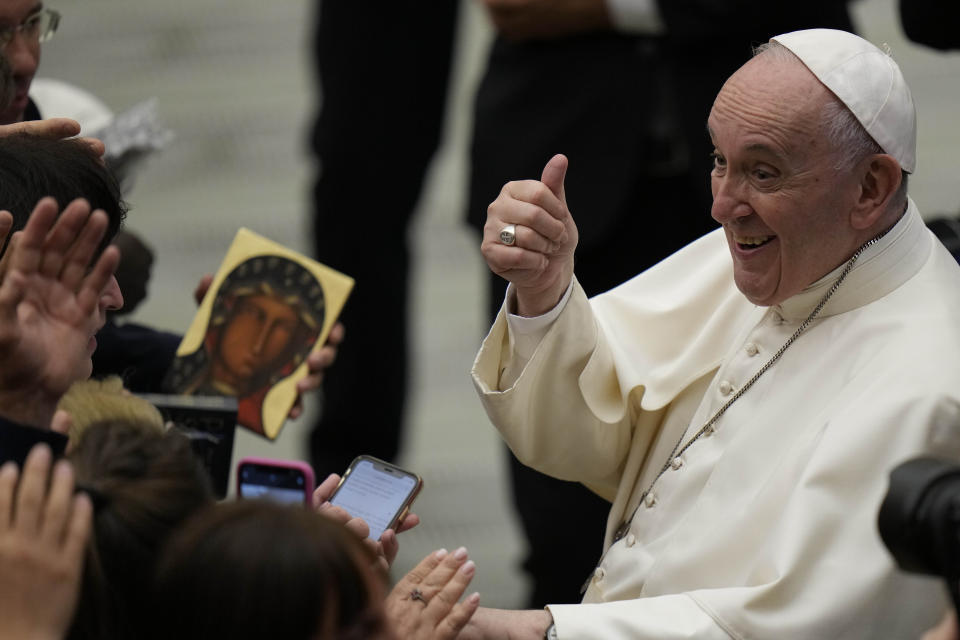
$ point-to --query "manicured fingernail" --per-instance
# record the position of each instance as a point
(468, 568)
(473, 598)
(440, 554)
(460, 554)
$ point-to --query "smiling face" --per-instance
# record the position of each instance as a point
(785, 210)
(23, 54)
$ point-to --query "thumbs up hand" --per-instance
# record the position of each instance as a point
(529, 238)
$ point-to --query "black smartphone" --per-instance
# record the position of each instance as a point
(378, 492)
(286, 481)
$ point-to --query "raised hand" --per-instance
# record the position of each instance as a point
(52, 303)
(43, 535)
(540, 262)
(425, 603)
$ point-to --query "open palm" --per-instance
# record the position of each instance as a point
(49, 305)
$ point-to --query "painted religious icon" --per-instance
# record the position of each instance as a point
(267, 309)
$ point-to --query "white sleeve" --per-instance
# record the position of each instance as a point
(672, 617)
(636, 16)
(526, 333)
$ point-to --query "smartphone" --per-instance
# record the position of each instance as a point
(285, 481)
(378, 492)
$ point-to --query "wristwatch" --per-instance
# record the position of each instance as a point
(551, 632)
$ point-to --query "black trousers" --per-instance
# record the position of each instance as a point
(383, 73)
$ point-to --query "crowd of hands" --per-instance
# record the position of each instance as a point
(45, 526)
(49, 294)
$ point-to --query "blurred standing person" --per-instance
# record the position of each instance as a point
(931, 22)
(623, 88)
(383, 75)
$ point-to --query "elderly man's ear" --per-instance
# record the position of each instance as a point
(880, 177)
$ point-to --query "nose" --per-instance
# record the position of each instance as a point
(729, 202)
(23, 54)
(111, 298)
(262, 336)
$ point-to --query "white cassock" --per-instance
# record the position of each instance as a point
(766, 527)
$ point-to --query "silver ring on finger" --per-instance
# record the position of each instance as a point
(508, 235)
(416, 594)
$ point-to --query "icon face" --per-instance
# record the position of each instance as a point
(267, 315)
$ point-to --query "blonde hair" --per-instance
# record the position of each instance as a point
(92, 401)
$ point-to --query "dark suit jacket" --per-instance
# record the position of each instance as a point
(935, 23)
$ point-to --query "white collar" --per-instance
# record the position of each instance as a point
(883, 267)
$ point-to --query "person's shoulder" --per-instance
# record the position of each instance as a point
(59, 99)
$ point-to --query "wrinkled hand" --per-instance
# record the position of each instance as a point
(540, 264)
(49, 307)
(43, 536)
(440, 579)
(386, 548)
(52, 129)
(543, 19)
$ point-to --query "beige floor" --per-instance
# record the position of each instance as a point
(233, 81)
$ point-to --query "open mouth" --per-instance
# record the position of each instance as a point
(751, 242)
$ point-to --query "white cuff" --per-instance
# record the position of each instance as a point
(526, 333)
(669, 617)
(636, 16)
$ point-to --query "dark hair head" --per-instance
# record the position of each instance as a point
(255, 569)
(32, 168)
(144, 483)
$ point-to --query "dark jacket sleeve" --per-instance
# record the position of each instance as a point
(16, 441)
(723, 20)
(934, 23)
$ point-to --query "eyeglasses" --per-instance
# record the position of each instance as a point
(39, 27)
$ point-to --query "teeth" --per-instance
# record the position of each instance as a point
(751, 240)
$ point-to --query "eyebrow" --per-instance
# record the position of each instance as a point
(753, 146)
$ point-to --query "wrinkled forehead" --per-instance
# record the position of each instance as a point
(773, 96)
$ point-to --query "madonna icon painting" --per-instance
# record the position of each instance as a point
(267, 309)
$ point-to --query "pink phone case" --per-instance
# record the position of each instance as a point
(265, 463)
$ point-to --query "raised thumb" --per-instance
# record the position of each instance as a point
(554, 173)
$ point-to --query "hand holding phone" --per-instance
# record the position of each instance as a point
(378, 492)
(286, 481)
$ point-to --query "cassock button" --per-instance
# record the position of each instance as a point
(676, 463)
(650, 500)
(751, 349)
(631, 540)
(726, 388)
(599, 573)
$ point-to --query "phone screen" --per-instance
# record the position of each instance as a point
(376, 493)
(285, 485)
